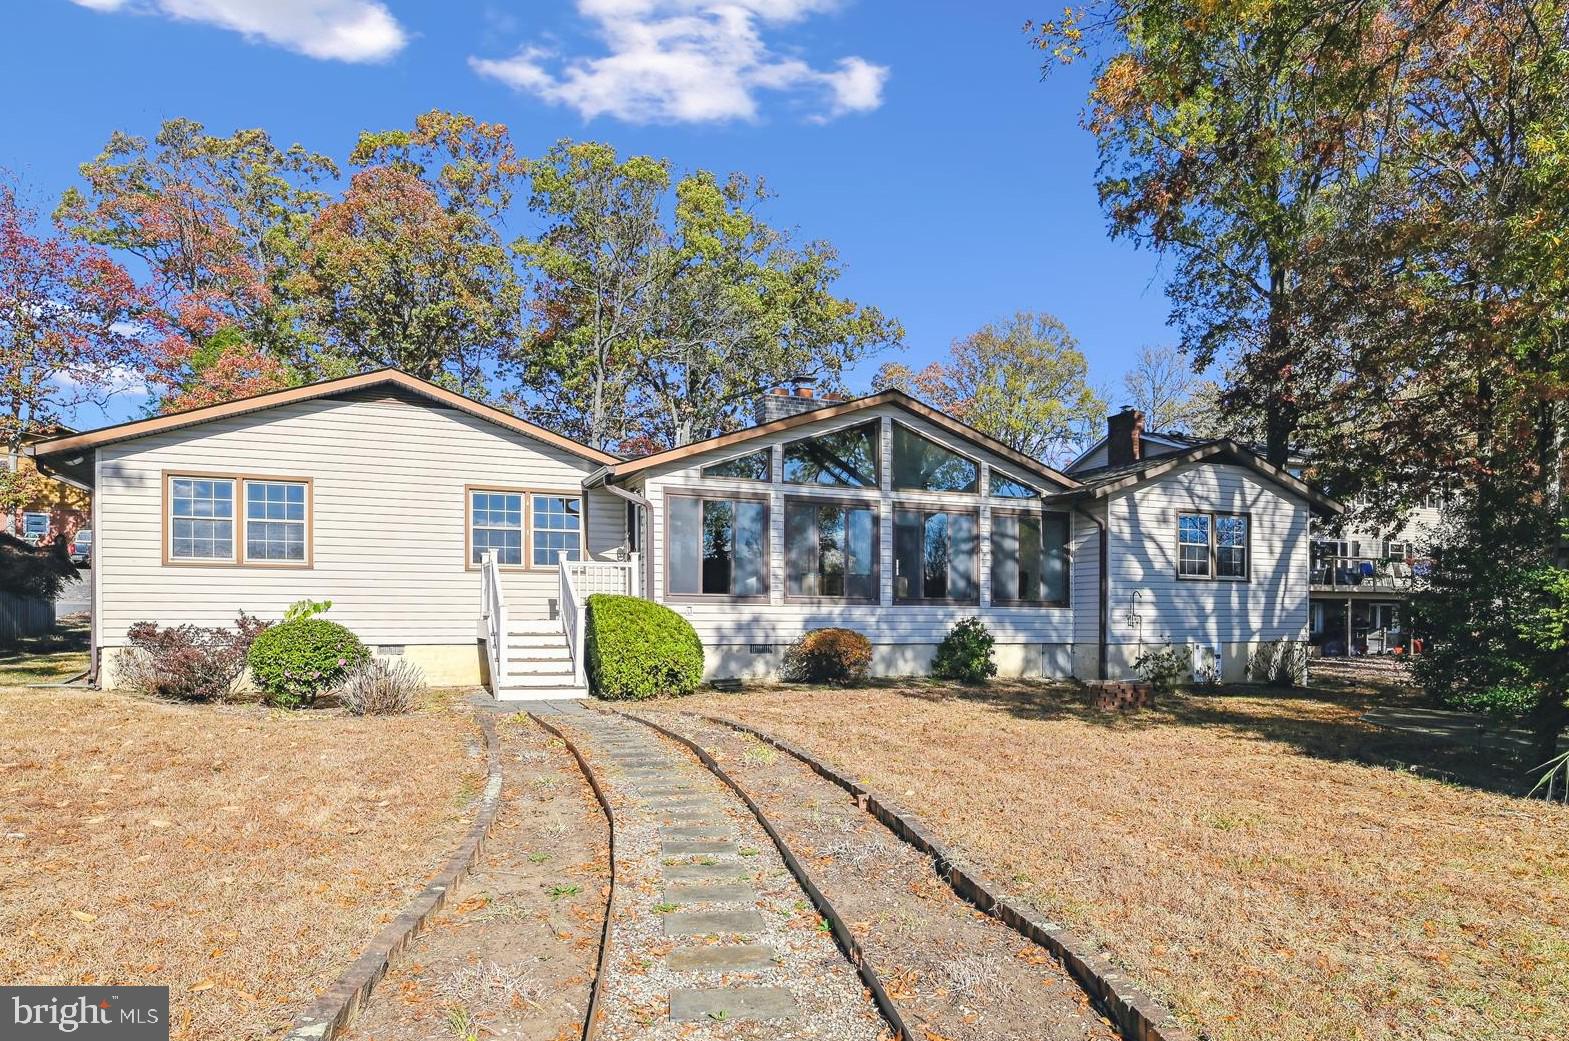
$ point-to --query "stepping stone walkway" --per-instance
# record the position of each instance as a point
(712, 936)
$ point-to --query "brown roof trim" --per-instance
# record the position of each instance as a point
(326, 388)
(1234, 453)
(884, 397)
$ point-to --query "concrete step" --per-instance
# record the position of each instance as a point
(541, 692)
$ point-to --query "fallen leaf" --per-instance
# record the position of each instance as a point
(83, 916)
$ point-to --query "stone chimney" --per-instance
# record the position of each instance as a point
(782, 402)
(1124, 437)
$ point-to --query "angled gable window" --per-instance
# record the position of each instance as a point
(1002, 486)
(920, 464)
(845, 458)
(754, 466)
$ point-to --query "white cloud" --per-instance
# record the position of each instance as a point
(342, 30)
(688, 61)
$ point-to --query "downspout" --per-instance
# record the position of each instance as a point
(1104, 598)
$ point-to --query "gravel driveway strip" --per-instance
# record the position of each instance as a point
(712, 937)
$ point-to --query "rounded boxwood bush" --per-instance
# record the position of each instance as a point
(293, 662)
(828, 655)
(965, 654)
(636, 649)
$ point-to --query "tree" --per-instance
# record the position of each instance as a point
(219, 223)
(1022, 380)
(1163, 386)
(69, 318)
(1221, 130)
(657, 330)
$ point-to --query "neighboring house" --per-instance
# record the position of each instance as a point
(1361, 577)
(52, 508)
(435, 524)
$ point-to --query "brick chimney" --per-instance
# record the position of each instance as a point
(785, 401)
(1124, 437)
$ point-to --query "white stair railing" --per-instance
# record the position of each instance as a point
(581, 579)
(574, 610)
(493, 609)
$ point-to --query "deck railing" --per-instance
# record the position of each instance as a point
(1367, 575)
(493, 618)
(581, 579)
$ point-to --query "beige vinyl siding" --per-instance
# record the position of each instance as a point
(1271, 605)
(388, 516)
(730, 629)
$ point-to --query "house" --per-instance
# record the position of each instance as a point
(466, 539)
(1362, 576)
(50, 508)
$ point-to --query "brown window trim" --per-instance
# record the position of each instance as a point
(878, 463)
(528, 523)
(980, 491)
(974, 511)
(1053, 605)
(1213, 575)
(238, 560)
(711, 494)
(873, 505)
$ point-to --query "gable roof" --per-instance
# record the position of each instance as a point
(1169, 440)
(1098, 484)
(897, 398)
(397, 378)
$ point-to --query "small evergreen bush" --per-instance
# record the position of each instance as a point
(1164, 669)
(293, 662)
(831, 655)
(382, 688)
(965, 654)
(636, 649)
(187, 662)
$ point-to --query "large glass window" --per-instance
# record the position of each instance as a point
(847, 458)
(923, 465)
(755, 466)
(1030, 558)
(830, 550)
(496, 523)
(1231, 546)
(275, 521)
(717, 547)
(557, 523)
(1193, 545)
(201, 521)
(1005, 487)
(934, 555)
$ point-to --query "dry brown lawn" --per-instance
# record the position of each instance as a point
(241, 856)
(1244, 856)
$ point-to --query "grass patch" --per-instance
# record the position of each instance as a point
(241, 857)
(1266, 862)
(51, 658)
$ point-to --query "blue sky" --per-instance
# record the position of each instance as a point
(918, 137)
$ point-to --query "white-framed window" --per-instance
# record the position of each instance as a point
(557, 522)
(496, 523)
(201, 519)
(35, 526)
(275, 521)
(1213, 545)
(1193, 545)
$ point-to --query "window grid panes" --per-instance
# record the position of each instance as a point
(1193, 545)
(1231, 546)
(202, 518)
(717, 547)
(496, 523)
(558, 527)
(1030, 558)
(830, 550)
(845, 458)
(275, 521)
(935, 556)
(35, 525)
(755, 466)
(1003, 487)
(922, 465)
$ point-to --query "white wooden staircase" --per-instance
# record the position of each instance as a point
(538, 659)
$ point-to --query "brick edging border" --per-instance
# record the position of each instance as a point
(1138, 1016)
(333, 1010)
(591, 1018)
(836, 923)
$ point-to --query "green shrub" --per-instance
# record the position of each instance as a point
(830, 655)
(636, 649)
(293, 662)
(1165, 669)
(965, 654)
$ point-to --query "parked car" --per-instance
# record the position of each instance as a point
(82, 548)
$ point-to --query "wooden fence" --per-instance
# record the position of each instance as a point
(24, 616)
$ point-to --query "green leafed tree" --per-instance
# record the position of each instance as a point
(1163, 386)
(1022, 380)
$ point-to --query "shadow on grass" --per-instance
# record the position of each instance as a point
(50, 658)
